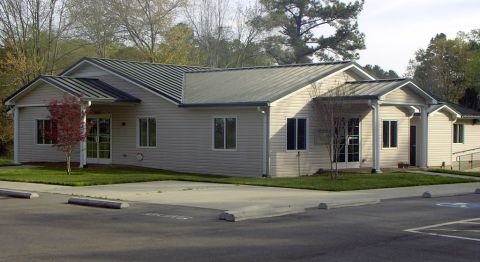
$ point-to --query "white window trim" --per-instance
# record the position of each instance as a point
(36, 132)
(307, 135)
(389, 134)
(458, 133)
(225, 137)
(137, 137)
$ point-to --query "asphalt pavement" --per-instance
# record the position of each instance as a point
(412, 229)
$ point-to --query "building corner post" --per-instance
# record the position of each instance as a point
(16, 132)
(424, 143)
(376, 137)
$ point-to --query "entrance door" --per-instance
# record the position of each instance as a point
(349, 154)
(99, 140)
(413, 145)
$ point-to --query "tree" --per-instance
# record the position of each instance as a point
(296, 25)
(94, 22)
(178, 47)
(470, 99)
(440, 68)
(144, 22)
(330, 108)
(378, 72)
(69, 127)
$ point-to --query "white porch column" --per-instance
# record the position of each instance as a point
(423, 137)
(376, 137)
(16, 132)
(83, 144)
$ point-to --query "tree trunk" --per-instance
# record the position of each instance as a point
(69, 169)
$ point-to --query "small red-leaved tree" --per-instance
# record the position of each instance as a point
(69, 127)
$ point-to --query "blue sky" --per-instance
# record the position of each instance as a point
(395, 29)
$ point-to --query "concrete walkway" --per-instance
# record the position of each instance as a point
(231, 197)
(445, 174)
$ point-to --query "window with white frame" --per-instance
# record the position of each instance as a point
(225, 133)
(296, 133)
(46, 132)
(458, 133)
(390, 134)
(147, 132)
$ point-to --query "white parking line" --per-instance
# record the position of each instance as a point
(466, 221)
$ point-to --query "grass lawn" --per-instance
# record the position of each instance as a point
(6, 162)
(102, 176)
(455, 172)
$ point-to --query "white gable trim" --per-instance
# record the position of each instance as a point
(416, 89)
(66, 73)
(446, 107)
(274, 103)
(30, 86)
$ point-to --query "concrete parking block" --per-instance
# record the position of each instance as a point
(17, 194)
(340, 204)
(477, 191)
(259, 211)
(97, 203)
(427, 194)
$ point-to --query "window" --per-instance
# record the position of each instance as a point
(46, 132)
(390, 134)
(458, 133)
(296, 133)
(147, 132)
(225, 133)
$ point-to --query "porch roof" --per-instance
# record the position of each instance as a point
(370, 89)
(85, 88)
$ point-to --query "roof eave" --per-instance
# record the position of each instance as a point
(227, 104)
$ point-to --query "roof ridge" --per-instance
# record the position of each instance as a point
(143, 62)
(271, 66)
(376, 80)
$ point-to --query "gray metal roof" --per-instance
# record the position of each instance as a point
(371, 89)
(89, 89)
(163, 79)
(253, 84)
(463, 111)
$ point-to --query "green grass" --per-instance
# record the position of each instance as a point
(86, 177)
(455, 172)
(6, 162)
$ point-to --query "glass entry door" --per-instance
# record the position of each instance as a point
(99, 140)
(349, 148)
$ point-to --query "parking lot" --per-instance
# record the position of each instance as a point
(414, 229)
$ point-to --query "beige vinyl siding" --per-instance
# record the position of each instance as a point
(40, 95)
(29, 150)
(404, 95)
(471, 138)
(184, 136)
(287, 163)
(439, 139)
(390, 157)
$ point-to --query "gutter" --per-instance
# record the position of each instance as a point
(232, 104)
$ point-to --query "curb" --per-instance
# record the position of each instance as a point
(326, 205)
(254, 212)
(18, 194)
(97, 203)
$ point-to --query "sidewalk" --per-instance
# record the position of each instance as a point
(445, 174)
(230, 197)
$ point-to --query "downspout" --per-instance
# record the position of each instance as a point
(266, 141)
(16, 132)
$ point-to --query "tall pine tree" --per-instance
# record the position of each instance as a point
(298, 29)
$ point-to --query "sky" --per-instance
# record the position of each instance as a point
(395, 29)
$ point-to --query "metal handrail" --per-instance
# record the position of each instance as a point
(454, 153)
(468, 161)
